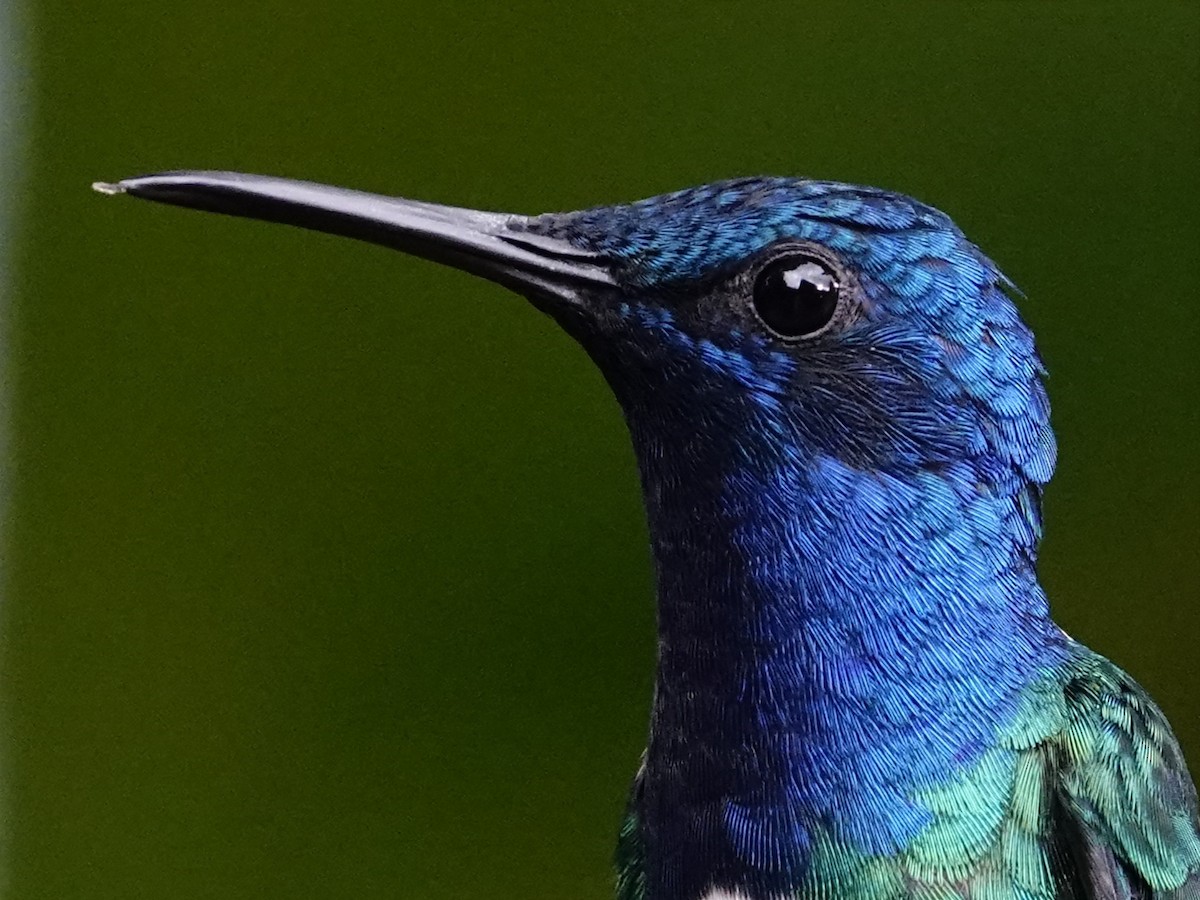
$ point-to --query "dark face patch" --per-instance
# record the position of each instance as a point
(923, 360)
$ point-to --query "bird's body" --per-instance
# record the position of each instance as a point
(843, 436)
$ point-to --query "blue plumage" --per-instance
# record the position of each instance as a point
(843, 437)
(845, 529)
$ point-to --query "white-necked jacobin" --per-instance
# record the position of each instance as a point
(843, 437)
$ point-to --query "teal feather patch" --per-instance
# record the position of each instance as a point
(1085, 796)
(1125, 780)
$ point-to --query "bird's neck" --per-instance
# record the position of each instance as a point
(829, 641)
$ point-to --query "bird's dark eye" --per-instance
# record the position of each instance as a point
(796, 295)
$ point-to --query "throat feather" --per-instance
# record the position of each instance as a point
(832, 642)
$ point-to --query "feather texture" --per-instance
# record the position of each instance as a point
(860, 693)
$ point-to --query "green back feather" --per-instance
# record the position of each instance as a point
(1084, 796)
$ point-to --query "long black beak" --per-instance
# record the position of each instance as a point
(493, 245)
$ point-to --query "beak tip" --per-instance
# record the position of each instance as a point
(108, 188)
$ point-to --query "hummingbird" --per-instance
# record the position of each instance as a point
(843, 437)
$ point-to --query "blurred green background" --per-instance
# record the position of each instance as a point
(326, 568)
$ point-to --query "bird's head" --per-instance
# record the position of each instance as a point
(778, 315)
